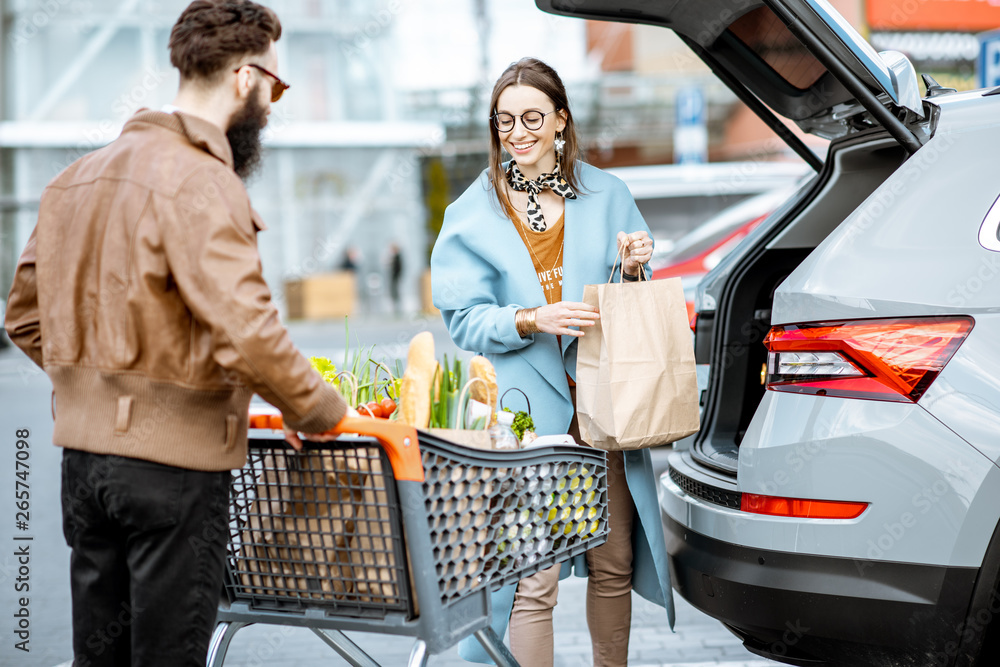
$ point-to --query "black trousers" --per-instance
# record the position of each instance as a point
(148, 552)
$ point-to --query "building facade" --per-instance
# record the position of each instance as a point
(343, 164)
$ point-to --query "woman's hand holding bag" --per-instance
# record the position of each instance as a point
(638, 250)
(636, 384)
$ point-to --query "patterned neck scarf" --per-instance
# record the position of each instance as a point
(552, 180)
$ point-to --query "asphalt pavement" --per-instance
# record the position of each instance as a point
(43, 588)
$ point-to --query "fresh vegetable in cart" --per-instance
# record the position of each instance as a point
(523, 423)
(437, 395)
(428, 393)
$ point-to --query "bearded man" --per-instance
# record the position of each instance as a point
(140, 294)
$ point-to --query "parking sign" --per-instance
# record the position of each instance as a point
(691, 131)
(989, 59)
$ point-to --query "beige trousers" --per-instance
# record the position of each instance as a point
(609, 589)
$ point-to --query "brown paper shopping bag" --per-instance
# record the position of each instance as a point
(636, 384)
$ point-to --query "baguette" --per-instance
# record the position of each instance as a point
(415, 388)
(485, 391)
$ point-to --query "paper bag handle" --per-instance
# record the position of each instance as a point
(621, 276)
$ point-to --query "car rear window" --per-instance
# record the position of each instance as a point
(764, 33)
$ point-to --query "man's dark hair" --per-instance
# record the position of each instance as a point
(211, 35)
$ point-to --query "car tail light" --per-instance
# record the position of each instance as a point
(801, 508)
(692, 316)
(886, 359)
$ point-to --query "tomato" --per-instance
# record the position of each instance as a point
(388, 406)
(275, 422)
(374, 409)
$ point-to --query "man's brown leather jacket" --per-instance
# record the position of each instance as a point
(140, 293)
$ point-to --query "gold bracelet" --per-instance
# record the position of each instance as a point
(519, 321)
(524, 322)
(529, 321)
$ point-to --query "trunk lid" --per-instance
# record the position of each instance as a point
(799, 59)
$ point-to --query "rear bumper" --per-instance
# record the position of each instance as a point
(807, 610)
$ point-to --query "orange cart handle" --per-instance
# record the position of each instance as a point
(399, 440)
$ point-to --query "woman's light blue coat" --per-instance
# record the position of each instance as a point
(481, 274)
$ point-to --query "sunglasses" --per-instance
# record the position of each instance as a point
(278, 88)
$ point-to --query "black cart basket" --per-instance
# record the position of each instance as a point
(392, 530)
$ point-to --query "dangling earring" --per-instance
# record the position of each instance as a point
(559, 143)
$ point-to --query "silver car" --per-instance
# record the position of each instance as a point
(840, 505)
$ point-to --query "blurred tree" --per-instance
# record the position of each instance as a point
(437, 200)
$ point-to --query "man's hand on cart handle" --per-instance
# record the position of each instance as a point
(294, 439)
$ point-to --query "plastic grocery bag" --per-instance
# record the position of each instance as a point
(636, 384)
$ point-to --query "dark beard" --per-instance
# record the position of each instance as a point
(244, 136)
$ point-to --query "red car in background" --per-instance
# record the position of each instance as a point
(700, 250)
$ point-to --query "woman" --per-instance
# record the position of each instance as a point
(508, 271)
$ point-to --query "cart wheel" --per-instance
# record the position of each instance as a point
(219, 644)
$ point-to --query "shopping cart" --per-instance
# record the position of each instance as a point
(391, 530)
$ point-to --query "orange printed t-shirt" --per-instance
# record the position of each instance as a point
(546, 250)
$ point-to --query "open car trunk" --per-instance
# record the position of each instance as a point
(731, 336)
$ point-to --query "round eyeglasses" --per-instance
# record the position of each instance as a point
(531, 120)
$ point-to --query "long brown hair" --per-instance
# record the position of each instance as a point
(536, 74)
